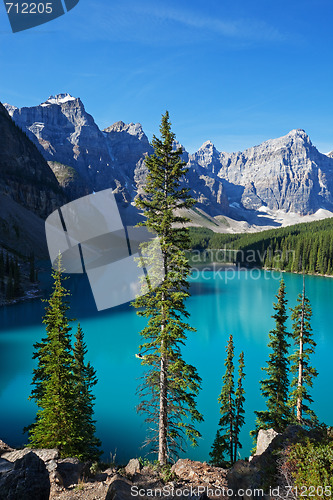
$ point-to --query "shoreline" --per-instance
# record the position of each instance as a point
(213, 266)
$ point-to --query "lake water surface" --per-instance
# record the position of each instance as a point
(221, 304)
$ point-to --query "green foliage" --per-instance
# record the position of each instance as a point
(62, 384)
(226, 441)
(164, 471)
(53, 378)
(95, 468)
(275, 388)
(311, 467)
(239, 404)
(84, 380)
(169, 389)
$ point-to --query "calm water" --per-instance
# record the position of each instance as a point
(220, 305)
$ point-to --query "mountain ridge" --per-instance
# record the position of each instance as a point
(287, 173)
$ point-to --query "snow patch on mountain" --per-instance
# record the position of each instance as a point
(58, 99)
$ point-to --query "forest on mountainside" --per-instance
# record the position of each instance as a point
(306, 247)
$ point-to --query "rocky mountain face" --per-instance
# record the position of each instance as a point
(287, 174)
(66, 134)
(25, 176)
(29, 191)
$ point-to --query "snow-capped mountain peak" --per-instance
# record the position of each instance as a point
(58, 99)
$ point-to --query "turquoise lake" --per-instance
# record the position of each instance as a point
(221, 304)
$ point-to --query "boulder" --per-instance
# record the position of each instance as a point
(199, 473)
(264, 439)
(261, 471)
(56, 479)
(5, 466)
(133, 467)
(44, 454)
(4, 447)
(70, 471)
(119, 489)
(243, 475)
(12, 456)
(28, 479)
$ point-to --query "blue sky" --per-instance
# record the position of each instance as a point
(236, 73)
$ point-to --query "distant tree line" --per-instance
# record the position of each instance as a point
(11, 274)
(306, 247)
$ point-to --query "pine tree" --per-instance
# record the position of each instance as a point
(53, 378)
(300, 367)
(239, 405)
(84, 378)
(275, 389)
(169, 389)
(224, 443)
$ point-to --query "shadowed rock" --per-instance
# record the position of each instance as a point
(27, 480)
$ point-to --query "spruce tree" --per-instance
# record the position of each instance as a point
(53, 378)
(62, 384)
(84, 379)
(170, 385)
(275, 388)
(239, 405)
(224, 443)
(300, 361)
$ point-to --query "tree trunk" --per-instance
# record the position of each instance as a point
(163, 413)
(231, 429)
(162, 435)
(300, 362)
(236, 441)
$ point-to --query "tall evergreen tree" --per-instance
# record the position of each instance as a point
(169, 389)
(84, 379)
(224, 443)
(53, 378)
(303, 372)
(62, 383)
(239, 405)
(275, 388)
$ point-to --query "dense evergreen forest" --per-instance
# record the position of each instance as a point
(306, 247)
(16, 275)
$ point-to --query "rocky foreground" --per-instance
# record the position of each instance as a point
(39, 474)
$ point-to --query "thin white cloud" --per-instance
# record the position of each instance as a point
(150, 24)
(232, 28)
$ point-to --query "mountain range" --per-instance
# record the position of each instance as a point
(70, 157)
